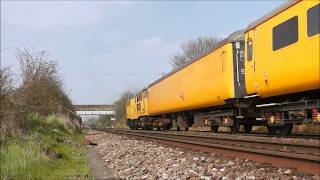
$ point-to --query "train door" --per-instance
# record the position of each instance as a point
(144, 102)
(223, 75)
(239, 71)
(250, 63)
(138, 104)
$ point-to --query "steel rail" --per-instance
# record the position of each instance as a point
(302, 151)
(255, 134)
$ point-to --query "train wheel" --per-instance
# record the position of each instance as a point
(133, 127)
(272, 129)
(186, 129)
(178, 128)
(280, 130)
(214, 128)
(235, 127)
(148, 128)
(167, 127)
(286, 129)
(247, 128)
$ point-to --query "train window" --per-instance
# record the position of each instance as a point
(139, 97)
(241, 55)
(139, 107)
(145, 93)
(249, 49)
(285, 33)
(313, 20)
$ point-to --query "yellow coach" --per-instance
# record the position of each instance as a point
(282, 50)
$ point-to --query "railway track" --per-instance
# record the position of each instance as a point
(303, 156)
(294, 135)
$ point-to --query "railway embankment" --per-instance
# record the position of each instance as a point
(131, 158)
(52, 149)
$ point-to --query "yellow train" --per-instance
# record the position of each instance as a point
(267, 74)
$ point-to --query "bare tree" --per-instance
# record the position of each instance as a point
(41, 84)
(193, 49)
(6, 86)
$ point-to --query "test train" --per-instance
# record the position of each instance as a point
(265, 75)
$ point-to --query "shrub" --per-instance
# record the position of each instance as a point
(40, 92)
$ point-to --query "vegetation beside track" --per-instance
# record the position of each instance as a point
(39, 135)
(52, 149)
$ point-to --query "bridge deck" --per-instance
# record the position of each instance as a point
(94, 109)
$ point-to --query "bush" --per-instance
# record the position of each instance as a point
(40, 91)
(41, 88)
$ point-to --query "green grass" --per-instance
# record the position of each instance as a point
(51, 150)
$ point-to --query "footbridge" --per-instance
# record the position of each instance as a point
(90, 109)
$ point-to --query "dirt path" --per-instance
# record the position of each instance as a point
(98, 169)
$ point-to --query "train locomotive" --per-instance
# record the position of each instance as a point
(265, 75)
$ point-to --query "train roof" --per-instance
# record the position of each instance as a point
(236, 36)
(271, 14)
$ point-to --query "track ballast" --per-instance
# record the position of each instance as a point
(303, 156)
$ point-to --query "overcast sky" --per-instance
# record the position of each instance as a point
(106, 47)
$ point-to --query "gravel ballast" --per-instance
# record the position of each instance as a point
(130, 158)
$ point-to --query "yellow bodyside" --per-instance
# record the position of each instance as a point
(200, 84)
(132, 109)
(294, 68)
